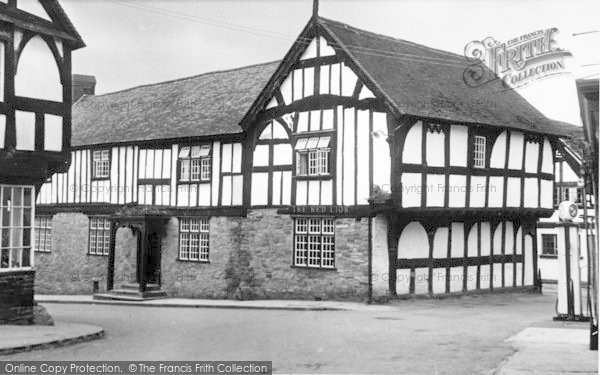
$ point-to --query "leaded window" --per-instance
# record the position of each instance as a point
(101, 164)
(312, 156)
(43, 234)
(99, 235)
(314, 242)
(193, 239)
(195, 163)
(479, 152)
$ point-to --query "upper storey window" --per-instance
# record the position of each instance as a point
(195, 164)
(478, 151)
(101, 164)
(312, 156)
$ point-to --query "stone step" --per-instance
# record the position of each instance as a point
(136, 286)
(117, 297)
(126, 294)
(132, 292)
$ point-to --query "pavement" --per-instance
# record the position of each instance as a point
(21, 338)
(562, 349)
(221, 303)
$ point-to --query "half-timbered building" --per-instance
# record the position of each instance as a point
(567, 188)
(36, 41)
(360, 166)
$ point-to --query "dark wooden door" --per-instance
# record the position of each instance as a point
(153, 252)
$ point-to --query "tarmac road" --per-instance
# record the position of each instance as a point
(450, 336)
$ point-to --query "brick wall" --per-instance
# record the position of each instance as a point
(68, 269)
(16, 297)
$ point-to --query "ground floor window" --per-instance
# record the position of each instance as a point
(16, 216)
(314, 242)
(43, 234)
(99, 235)
(549, 244)
(193, 239)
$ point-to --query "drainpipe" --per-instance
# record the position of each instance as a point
(370, 250)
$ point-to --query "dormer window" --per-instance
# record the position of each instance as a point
(195, 164)
(478, 151)
(101, 164)
(312, 156)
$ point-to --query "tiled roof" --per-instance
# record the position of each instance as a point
(427, 82)
(574, 137)
(207, 104)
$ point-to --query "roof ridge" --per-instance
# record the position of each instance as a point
(391, 38)
(185, 78)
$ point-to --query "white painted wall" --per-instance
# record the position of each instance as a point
(435, 143)
(380, 256)
(411, 153)
(459, 136)
(498, 155)
(37, 72)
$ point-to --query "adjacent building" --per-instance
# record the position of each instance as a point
(36, 41)
(359, 167)
(568, 187)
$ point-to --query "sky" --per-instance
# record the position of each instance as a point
(132, 43)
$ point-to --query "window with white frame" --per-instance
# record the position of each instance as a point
(101, 164)
(478, 151)
(16, 222)
(193, 239)
(99, 235)
(314, 242)
(312, 156)
(549, 244)
(43, 234)
(195, 163)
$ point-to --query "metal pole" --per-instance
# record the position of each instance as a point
(594, 271)
(592, 268)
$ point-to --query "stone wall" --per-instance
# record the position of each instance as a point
(16, 297)
(194, 279)
(125, 257)
(68, 268)
(250, 258)
(267, 249)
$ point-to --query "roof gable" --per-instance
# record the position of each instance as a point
(413, 80)
(42, 16)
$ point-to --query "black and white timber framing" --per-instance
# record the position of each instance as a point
(329, 136)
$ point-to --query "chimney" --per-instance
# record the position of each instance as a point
(83, 85)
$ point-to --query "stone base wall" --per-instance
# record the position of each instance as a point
(125, 257)
(16, 297)
(68, 268)
(250, 258)
(265, 259)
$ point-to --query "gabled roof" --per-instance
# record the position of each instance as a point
(207, 104)
(60, 25)
(57, 13)
(418, 81)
